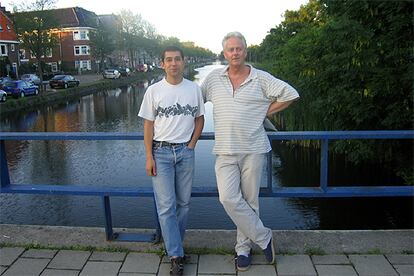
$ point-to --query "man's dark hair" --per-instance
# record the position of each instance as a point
(171, 49)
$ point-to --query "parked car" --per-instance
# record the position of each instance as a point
(124, 71)
(31, 78)
(111, 74)
(3, 95)
(3, 80)
(20, 88)
(49, 75)
(63, 81)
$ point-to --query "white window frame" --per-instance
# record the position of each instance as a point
(53, 66)
(12, 48)
(22, 54)
(76, 35)
(84, 35)
(83, 64)
(81, 35)
(81, 50)
(3, 50)
(49, 53)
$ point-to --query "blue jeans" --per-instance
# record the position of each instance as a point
(172, 192)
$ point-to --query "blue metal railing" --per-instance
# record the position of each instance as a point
(269, 191)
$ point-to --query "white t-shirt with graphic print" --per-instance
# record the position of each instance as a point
(173, 109)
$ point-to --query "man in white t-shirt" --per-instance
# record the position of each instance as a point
(242, 97)
(173, 112)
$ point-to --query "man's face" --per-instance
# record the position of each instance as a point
(173, 64)
(234, 51)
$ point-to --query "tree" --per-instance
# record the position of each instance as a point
(352, 62)
(34, 25)
(135, 33)
(103, 43)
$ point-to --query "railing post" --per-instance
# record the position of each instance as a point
(324, 164)
(5, 178)
(108, 219)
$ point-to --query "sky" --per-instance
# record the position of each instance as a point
(203, 22)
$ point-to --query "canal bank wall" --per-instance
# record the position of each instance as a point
(318, 242)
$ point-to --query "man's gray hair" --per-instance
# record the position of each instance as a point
(234, 34)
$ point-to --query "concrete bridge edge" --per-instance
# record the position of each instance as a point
(287, 241)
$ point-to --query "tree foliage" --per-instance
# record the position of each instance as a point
(35, 30)
(352, 62)
(139, 34)
(102, 42)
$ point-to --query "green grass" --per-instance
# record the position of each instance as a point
(314, 251)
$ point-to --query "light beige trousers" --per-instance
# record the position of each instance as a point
(238, 180)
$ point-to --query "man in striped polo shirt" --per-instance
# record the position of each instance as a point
(242, 97)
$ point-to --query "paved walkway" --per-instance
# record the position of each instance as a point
(17, 261)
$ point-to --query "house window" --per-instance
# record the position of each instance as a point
(3, 50)
(80, 35)
(84, 35)
(53, 66)
(48, 52)
(22, 54)
(12, 47)
(82, 50)
(83, 64)
(8, 27)
(1, 28)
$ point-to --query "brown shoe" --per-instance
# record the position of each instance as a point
(177, 266)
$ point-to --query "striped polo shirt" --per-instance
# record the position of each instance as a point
(238, 117)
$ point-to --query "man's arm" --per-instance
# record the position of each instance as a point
(277, 107)
(198, 128)
(148, 139)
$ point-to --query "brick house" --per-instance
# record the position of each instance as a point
(73, 51)
(9, 58)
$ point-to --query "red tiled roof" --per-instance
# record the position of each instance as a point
(75, 17)
(66, 17)
(6, 34)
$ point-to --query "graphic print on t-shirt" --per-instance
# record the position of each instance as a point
(175, 110)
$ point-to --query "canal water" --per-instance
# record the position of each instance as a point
(122, 163)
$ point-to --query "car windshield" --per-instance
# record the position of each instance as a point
(58, 77)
